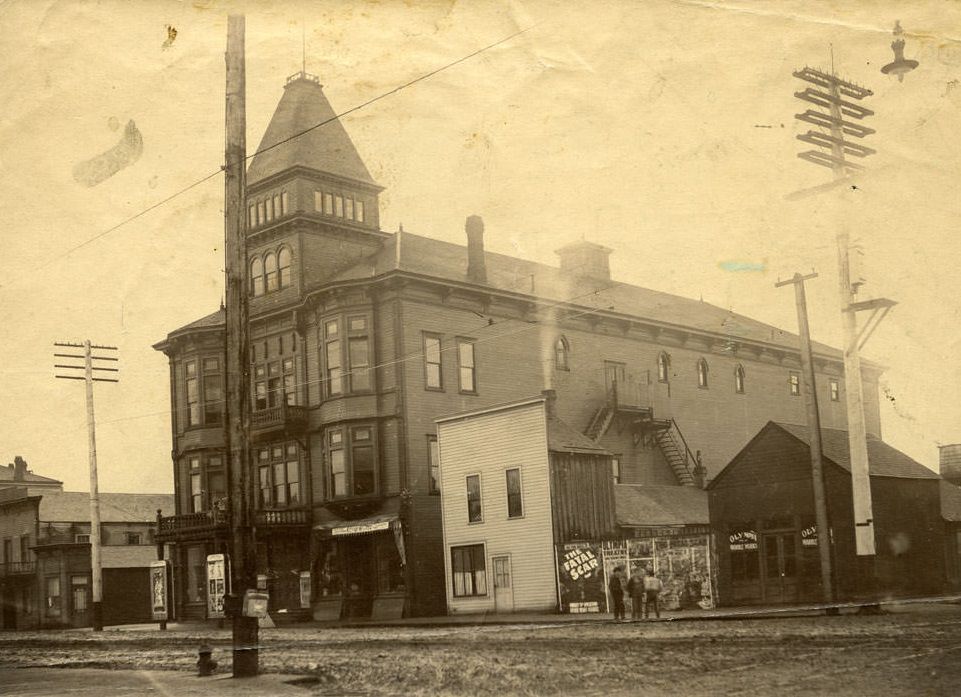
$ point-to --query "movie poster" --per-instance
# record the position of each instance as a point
(158, 590)
(216, 584)
(581, 578)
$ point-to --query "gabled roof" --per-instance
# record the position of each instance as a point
(6, 477)
(641, 505)
(561, 438)
(74, 506)
(883, 460)
(432, 258)
(326, 148)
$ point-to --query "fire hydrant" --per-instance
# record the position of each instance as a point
(205, 664)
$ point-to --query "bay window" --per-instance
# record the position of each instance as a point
(203, 392)
(278, 475)
(273, 371)
(352, 462)
(347, 355)
(206, 481)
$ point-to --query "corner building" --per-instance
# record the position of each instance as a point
(360, 338)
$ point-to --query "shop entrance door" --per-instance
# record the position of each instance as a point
(79, 601)
(360, 580)
(780, 568)
(503, 584)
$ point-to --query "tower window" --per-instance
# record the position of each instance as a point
(433, 374)
(835, 389)
(329, 204)
(349, 208)
(319, 201)
(739, 379)
(252, 215)
(269, 206)
(270, 271)
(561, 354)
(277, 206)
(261, 215)
(257, 276)
(359, 208)
(663, 367)
(284, 208)
(702, 373)
(283, 258)
(339, 206)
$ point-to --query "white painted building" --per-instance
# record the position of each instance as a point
(496, 500)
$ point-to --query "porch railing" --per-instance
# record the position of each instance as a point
(17, 568)
(282, 516)
(190, 522)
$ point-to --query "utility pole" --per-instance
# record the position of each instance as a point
(829, 93)
(237, 424)
(88, 368)
(814, 429)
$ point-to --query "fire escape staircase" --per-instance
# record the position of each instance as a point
(665, 433)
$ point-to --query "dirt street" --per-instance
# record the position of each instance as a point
(917, 652)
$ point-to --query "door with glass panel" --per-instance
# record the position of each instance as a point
(780, 568)
(503, 584)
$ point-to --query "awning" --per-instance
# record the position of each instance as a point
(361, 526)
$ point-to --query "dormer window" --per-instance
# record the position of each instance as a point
(702, 374)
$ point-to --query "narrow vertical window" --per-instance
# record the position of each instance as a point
(269, 209)
(319, 201)
(739, 379)
(293, 474)
(474, 499)
(261, 215)
(349, 208)
(270, 271)
(359, 208)
(338, 468)
(339, 206)
(196, 484)
(835, 389)
(260, 387)
(263, 474)
(329, 204)
(362, 462)
(794, 381)
(433, 375)
(358, 354)
(616, 470)
(702, 373)
(213, 392)
(335, 383)
(252, 215)
(561, 351)
(290, 382)
(465, 365)
(277, 206)
(663, 367)
(515, 504)
(433, 466)
(192, 393)
(284, 208)
(257, 276)
(283, 262)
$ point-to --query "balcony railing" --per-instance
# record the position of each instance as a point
(285, 416)
(282, 516)
(18, 568)
(192, 522)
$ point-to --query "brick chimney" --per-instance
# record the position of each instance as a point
(476, 268)
(949, 464)
(19, 469)
(550, 403)
(585, 259)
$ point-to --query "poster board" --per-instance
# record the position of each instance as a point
(217, 584)
(159, 594)
(580, 578)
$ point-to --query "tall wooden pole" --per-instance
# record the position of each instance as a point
(814, 430)
(243, 567)
(96, 574)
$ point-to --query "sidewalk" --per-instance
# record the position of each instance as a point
(901, 605)
(88, 682)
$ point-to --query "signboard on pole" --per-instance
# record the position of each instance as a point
(217, 575)
(158, 589)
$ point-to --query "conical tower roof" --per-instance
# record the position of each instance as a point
(327, 148)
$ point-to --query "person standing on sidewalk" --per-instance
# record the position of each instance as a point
(652, 592)
(635, 589)
(616, 588)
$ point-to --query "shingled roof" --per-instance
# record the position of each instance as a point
(642, 505)
(74, 506)
(883, 460)
(326, 148)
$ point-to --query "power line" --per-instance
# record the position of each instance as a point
(336, 117)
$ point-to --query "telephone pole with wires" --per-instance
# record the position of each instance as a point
(92, 372)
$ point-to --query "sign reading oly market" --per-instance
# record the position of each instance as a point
(743, 539)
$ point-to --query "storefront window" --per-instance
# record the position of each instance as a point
(329, 576)
(53, 596)
(469, 570)
(390, 577)
(196, 573)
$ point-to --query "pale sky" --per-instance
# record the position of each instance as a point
(662, 129)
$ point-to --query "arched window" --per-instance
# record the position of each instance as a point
(663, 367)
(284, 208)
(739, 379)
(270, 271)
(702, 373)
(257, 276)
(284, 263)
(561, 354)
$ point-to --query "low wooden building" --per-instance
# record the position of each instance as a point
(762, 512)
(516, 484)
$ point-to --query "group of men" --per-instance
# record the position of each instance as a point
(643, 587)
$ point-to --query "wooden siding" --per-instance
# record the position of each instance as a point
(583, 493)
(512, 438)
